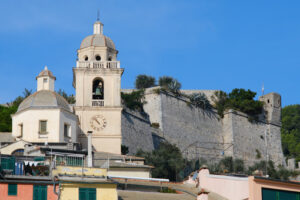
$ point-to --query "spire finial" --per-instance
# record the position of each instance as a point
(98, 15)
(46, 68)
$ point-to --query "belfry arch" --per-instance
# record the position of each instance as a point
(98, 88)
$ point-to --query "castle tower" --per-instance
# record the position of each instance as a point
(272, 106)
(97, 81)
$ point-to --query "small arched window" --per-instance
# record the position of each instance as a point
(18, 152)
(98, 89)
(109, 58)
(86, 58)
(98, 58)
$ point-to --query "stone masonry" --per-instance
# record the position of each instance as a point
(203, 134)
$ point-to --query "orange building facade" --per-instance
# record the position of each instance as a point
(25, 191)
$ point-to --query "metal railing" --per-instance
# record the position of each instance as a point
(99, 64)
(98, 103)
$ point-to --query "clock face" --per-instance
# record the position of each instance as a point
(98, 122)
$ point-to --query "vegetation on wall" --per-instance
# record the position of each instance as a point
(238, 99)
(170, 84)
(134, 100)
(290, 131)
(143, 81)
(200, 100)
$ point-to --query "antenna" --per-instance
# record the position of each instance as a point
(98, 15)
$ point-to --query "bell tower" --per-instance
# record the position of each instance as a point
(97, 82)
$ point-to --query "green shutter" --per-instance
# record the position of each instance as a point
(12, 189)
(87, 194)
(40, 192)
(82, 193)
(269, 194)
(8, 163)
(92, 194)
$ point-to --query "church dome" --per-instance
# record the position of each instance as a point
(97, 40)
(44, 99)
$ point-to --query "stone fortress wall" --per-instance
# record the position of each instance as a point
(203, 134)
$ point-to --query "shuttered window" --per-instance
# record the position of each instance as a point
(43, 126)
(8, 163)
(12, 189)
(87, 194)
(269, 194)
(40, 192)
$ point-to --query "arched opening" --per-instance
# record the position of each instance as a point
(109, 58)
(86, 58)
(98, 89)
(18, 152)
(98, 58)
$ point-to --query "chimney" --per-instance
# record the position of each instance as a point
(90, 156)
(202, 195)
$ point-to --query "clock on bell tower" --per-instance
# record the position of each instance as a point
(97, 82)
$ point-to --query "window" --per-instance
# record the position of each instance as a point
(109, 58)
(279, 194)
(40, 192)
(86, 58)
(87, 194)
(67, 130)
(21, 130)
(8, 163)
(43, 127)
(12, 189)
(98, 58)
(98, 89)
(45, 80)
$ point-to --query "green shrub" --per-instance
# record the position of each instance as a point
(143, 81)
(200, 100)
(134, 100)
(167, 190)
(238, 99)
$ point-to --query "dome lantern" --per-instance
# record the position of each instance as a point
(45, 80)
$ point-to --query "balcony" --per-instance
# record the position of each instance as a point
(98, 103)
(99, 64)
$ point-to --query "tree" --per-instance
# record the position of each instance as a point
(220, 100)
(69, 98)
(290, 131)
(11, 108)
(170, 84)
(200, 100)
(164, 81)
(27, 93)
(167, 160)
(143, 81)
(238, 99)
(134, 100)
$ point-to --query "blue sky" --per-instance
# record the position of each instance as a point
(205, 44)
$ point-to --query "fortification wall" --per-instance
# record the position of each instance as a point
(196, 132)
(199, 133)
(252, 142)
(137, 132)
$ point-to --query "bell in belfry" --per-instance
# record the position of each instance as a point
(99, 89)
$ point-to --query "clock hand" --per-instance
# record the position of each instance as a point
(97, 121)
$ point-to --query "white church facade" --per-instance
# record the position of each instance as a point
(46, 117)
